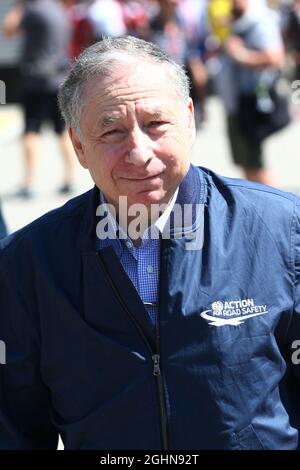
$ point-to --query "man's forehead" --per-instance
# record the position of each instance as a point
(141, 75)
(141, 106)
(108, 117)
(137, 90)
(121, 101)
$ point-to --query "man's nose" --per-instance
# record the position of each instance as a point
(139, 148)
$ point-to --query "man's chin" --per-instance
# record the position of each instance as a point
(148, 198)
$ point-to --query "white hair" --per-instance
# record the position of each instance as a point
(103, 58)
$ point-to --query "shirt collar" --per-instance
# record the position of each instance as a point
(193, 191)
(159, 224)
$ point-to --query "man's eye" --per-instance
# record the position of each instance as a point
(111, 132)
(156, 123)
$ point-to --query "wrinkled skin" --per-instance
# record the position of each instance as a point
(136, 135)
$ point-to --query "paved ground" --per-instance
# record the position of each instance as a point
(211, 150)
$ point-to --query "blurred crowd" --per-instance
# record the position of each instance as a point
(228, 47)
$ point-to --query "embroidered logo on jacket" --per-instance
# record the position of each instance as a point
(234, 312)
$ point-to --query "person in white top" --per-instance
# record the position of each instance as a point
(107, 18)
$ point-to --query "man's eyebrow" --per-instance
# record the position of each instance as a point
(107, 120)
(154, 112)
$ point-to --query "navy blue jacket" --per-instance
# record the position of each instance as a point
(83, 360)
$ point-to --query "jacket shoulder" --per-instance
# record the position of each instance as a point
(57, 220)
(258, 197)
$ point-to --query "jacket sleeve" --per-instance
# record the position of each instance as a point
(25, 408)
(290, 386)
(294, 329)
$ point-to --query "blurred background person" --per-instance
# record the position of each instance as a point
(251, 57)
(171, 30)
(82, 33)
(107, 18)
(44, 62)
(137, 15)
(194, 14)
(292, 35)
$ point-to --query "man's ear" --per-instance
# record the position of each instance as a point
(191, 120)
(78, 147)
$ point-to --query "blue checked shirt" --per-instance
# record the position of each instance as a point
(140, 263)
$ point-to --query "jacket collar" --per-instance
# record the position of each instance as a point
(187, 215)
(191, 197)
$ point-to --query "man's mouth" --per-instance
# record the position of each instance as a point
(142, 178)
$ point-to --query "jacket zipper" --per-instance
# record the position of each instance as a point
(161, 395)
(155, 356)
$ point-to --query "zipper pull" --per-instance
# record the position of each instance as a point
(156, 362)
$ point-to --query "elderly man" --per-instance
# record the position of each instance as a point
(45, 30)
(160, 339)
